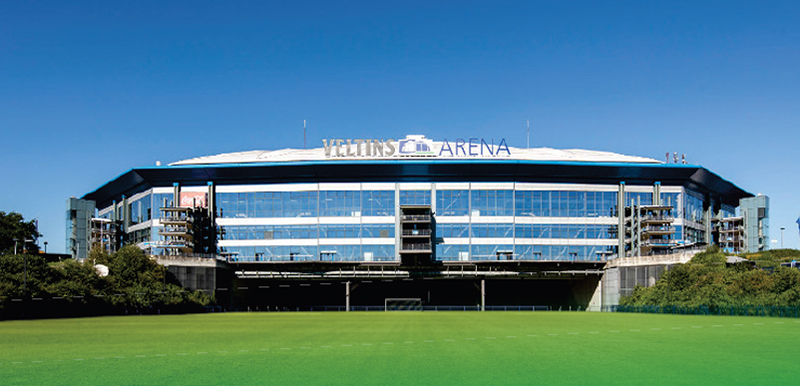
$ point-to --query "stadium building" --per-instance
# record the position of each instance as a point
(450, 222)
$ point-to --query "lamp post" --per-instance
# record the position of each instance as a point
(45, 247)
(782, 229)
(25, 259)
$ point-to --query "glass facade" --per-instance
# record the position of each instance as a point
(269, 204)
(473, 222)
(141, 209)
(377, 203)
(415, 197)
(452, 202)
(554, 203)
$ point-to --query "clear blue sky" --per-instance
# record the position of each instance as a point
(89, 90)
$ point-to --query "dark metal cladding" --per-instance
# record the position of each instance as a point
(427, 170)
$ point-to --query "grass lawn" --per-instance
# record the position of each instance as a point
(401, 348)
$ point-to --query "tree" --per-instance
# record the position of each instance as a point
(14, 229)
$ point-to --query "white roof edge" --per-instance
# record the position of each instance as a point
(318, 154)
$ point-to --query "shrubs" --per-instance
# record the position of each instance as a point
(135, 283)
(707, 281)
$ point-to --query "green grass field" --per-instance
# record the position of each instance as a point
(401, 348)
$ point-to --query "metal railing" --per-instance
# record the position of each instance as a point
(416, 232)
(424, 308)
(774, 311)
(415, 247)
(174, 218)
(658, 218)
(416, 218)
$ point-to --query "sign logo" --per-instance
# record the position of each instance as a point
(194, 200)
(415, 146)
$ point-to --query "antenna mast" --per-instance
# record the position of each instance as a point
(304, 133)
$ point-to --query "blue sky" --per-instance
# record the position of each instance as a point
(89, 90)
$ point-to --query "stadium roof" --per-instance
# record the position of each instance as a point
(418, 159)
(318, 154)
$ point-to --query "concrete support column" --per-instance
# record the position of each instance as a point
(657, 193)
(347, 296)
(621, 220)
(211, 201)
(176, 195)
(707, 223)
(638, 226)
(126, 215)
(483, 294)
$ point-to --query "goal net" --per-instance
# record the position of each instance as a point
(403, 304)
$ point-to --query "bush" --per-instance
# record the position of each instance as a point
(135, 282)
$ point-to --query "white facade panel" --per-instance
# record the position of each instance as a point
(576, 242)
(455, 241)
(340, 186)
(567, 187)
(378, 241)
(377, 219)
(194, 189)
(452, 186)
(478, 219)
(265, 243)
(415, 186)
(492, 186)
(377, 186)
(340, 220)
(566, 220)
(452, 219)
(267, 221)
(266, 188)
(340, 241)
(141, 225)
(492, 240)
(138, 196)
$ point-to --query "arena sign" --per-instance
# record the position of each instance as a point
(415, 146)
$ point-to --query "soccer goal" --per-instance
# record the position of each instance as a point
(403, 304)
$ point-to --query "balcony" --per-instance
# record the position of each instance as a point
(416, 218)
(652, 218)
(416, 248)
(416, 232)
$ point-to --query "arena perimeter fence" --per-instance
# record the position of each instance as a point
(773, 311)
(383, 308)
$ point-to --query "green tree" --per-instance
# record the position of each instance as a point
(24, 276)
(14, 229)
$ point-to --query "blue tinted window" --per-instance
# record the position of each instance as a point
(377, 230)
(565, 203)
(415, 197)
(339, 203)
(267, 232)
(452, 230)
(267, 204)
(452, 252)
(339, 231)
(493, 202)
(492, 230)
(377, 203)
(638, 199)
(452, 202)
(491, 252)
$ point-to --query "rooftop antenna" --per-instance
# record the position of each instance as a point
(304, 133)
(529, 132)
